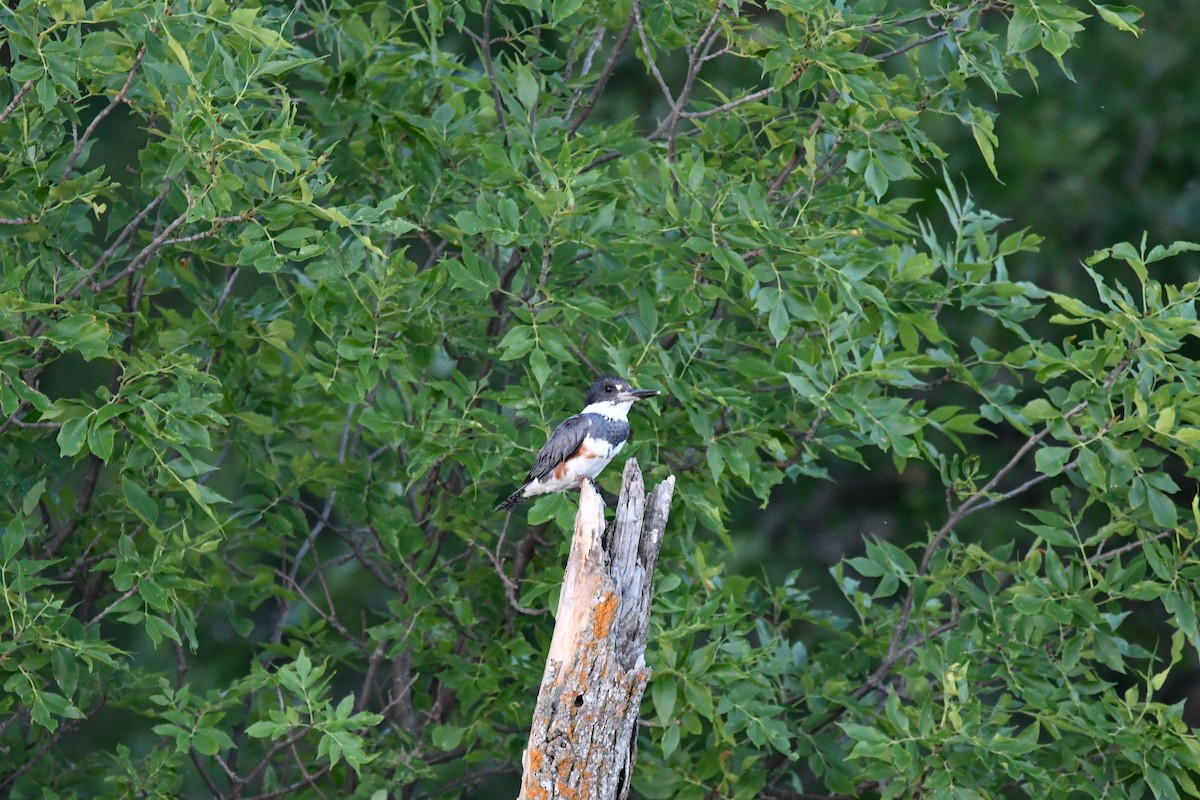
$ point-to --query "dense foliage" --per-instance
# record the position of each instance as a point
(284, 283)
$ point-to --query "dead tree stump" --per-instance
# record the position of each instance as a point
(583, 740)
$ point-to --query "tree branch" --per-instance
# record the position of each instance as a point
(486, 48)
(971, 504)
(81, 506)
(662, 84)
(94, 621)
(104, 112)
(585, 110)
(1134, 545)
(16, 101)
(904, 48)
(107, 255)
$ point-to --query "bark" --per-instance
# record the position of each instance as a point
(583, 741)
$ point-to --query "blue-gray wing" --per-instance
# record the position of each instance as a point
(562, 445)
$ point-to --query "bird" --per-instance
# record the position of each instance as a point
(582, 445)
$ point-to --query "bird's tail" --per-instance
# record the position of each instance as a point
(512, 499)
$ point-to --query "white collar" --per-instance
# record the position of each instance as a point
(611, 409)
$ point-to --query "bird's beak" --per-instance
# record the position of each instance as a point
(637, 394)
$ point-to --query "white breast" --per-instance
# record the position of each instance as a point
(594, 456)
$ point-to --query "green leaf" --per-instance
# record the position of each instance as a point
(446, 737)
(264, 729)
(180, 53)
(1108, 653)
(982, 129)
(868, 742)
(517, 342)
(539, 365)
(1166, 420)
(1024, 30)
(663, 690)
(137, 499)
(1160, 784)
(1040, 409)
(527, 87)
(1120, 17)
(470, 223)
(71, 436)
(1163, 510)
(699, 698)
(14, 539)
(210, 741)
(100, 439)
(779, 322)
(876, 178)
(1091, 469)
(1188, 435)
(916, 267)
(158, 629)
(355, 351)
(30, 501)
(670, 740)
(1051, 460)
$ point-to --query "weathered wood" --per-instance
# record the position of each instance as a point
(583, 740)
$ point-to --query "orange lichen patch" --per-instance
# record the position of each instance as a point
(532, 790)
(602, 617)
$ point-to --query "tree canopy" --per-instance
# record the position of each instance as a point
(292, 292)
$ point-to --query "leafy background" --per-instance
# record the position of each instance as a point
(284, 283)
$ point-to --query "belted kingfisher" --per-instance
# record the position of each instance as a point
(583, 444)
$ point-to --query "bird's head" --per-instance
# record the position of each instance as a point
(611, 394)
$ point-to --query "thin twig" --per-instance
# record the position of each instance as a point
(266, 761)
(16, 101)
(104, 112)
(330, 617)
(510, 586)
(971, 504)
(322, 522)
(1135, 545)
(217, 223)
(904, 48)
(125, 233)
(1024, 487)
(662, 84)
(65, 727)
(47, 425)
(601, 160)
(486, 48)
(130, 592)
(786, 172)
(696, 57)
(234, 272)
(586, 109)
(81, 506)
(761, 94)
(593, 48)
(809, 435)
(145, 255)
(204, 776)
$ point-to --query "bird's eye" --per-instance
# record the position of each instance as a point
(609, 388)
